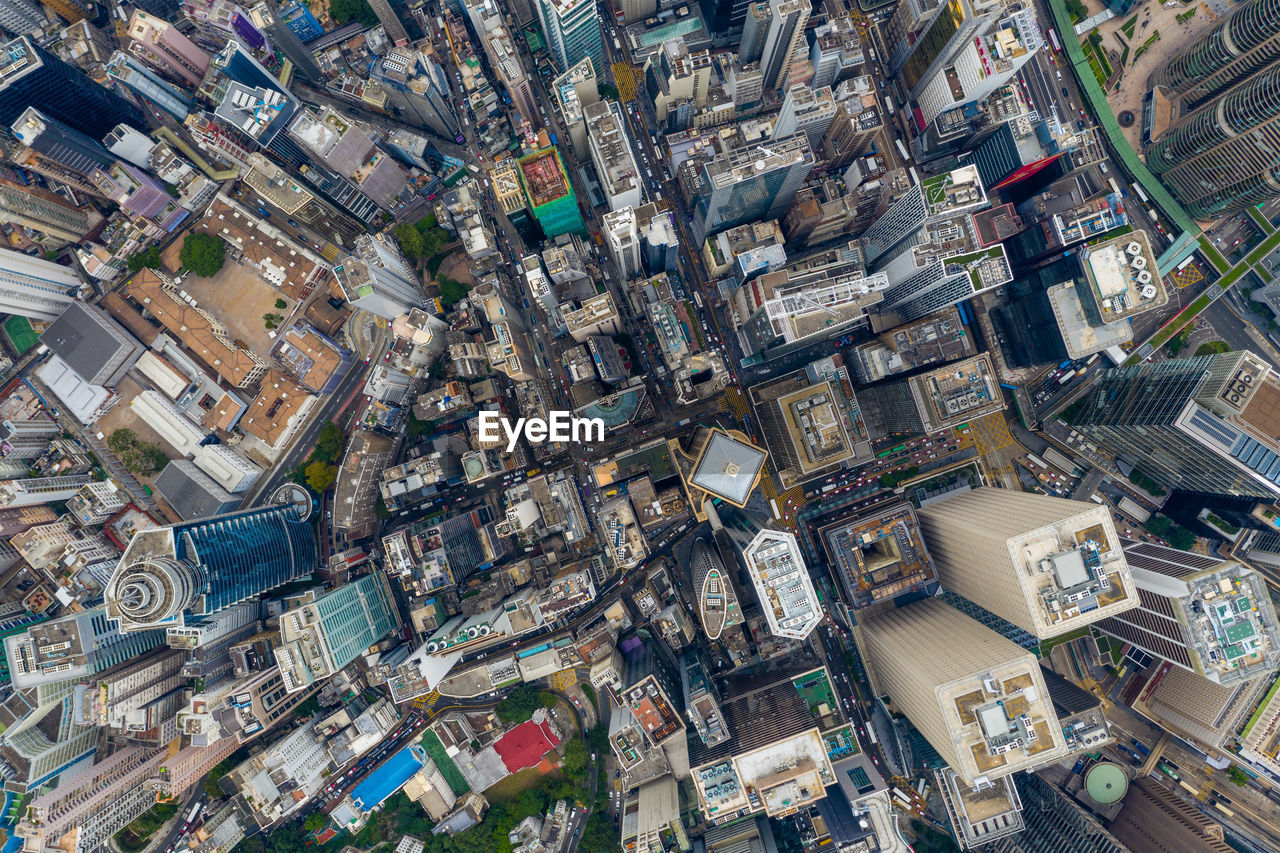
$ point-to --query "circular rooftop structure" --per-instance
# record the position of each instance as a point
(1106, 783)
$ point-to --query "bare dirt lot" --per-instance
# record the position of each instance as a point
(239, 297)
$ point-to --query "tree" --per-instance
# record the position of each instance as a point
(1237, 775)
(607, 90)
(281, 304)
(121, 440)
(149, 259)
(202, 254)
(451, 291)
(1077, 9)
(1158, 525)
(575, 757)
(598, 737)
(1181, 538)
(321, 476)
(329, 442)
(140, 457)
(314, 822)
(343, 11)
(519, 704)
(410, 240)
(547, 699)
(272, 321)
(599, 835)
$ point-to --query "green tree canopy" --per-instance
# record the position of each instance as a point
(1237, 775)
(1181, 538)
(1158, 525)
(149, 259)
(575, 757)
(321, 476)
(410, 240)
(202, 254)
(519, 704)
(343, 11)
(140, 457)
(329, 443)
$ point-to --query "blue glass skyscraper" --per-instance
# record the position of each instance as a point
(202, 567)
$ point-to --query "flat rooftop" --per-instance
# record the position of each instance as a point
(814, 427)
(1073, 572)
(649, 705)
(1124, 277)
(879, 556)
(938, 337)
(958, 392)
(781, 579)
(954, 191)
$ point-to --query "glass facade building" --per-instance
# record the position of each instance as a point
(203, 567)
(573, 31)
(1197, 424)
(31, 76)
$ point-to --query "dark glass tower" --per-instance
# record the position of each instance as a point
(203, 567)
(1201, 425)
(31, 76)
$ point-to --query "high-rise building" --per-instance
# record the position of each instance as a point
(31, 75)
(321, 637)
(1048, 565)
(806, 110)
(879, 555)
(35, 288)
(607, 134)
(787, 20)
(944, 397)
(713, 587)
(40, 490)
(1197, 424)
(288, 28)
(572, 29)
(390, 21)
(148, 84)
(1220, 159)
(42, 211)
(21, 16)
(1232, 50)
(159, 44)
(1004, 40)
(202, 567)
(622, 242)
(61, 152)
(979, 699)
(377, 278)
(750, 183)
(778, 571)
(72, 647)
(1208, 616)
(549, 192)
(836, 52)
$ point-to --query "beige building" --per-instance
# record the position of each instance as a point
(1048, 565)
(978, 698)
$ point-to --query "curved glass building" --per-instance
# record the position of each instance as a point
(1248, 40)
(202, 567)
(717, 600)
(1225, 156)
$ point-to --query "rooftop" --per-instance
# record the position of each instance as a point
(728, 466)
(955, 191)
(958, 392)
(271, 412)
(1123, 276)
(880, 555)
(652, 710)
(781, 579)
(939, 337)
(544, 177)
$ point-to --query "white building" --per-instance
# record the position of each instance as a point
(607, 132)
(179, 431)
(34, 288)
(227, 466)
(781, 579)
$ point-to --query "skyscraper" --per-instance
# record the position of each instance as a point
(35, 288)
(30, 75)
(148, 84)
(1198, 424)
(1221, 159)
(978, 698)
(390, 21)
(1208, 616)
(750, 183)
(42, 211)
(21, 16)
(61, 152)
(786, 34)
(1046, 564)
(1242, 44)
(159, 44)
(318, 639)
(202, 567)
(377, 278)
(572, 28)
